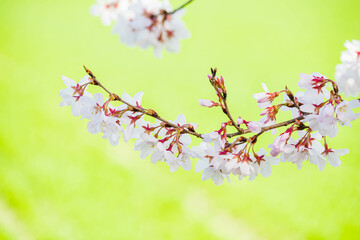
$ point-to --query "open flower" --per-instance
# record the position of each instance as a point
(332, 155)
(211, 162)
(75, 95)
(306, 147)
(96, 111)
(264, 99)
(264, 162)
(324, 122)
(182, 160)
(347, 73)
(146, 144)
(344, 112)
(315, 85)
(109, 10)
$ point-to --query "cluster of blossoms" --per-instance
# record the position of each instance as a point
(144, 23)
(317, 113)
(348, 72)
(165, 141)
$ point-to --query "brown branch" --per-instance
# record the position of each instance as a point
(149, 112)
(227, 112)
(181, 7)
(223, 97)
(268, 128)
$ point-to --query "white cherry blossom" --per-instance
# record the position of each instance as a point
(130, 118)
(325, 122)
(332, 155)
(215, 175)
(315, 90)
(159, 153)
(347, 73)
(100, 121)
(131, 131)
(265, 163)
(344, 112)
(75, 95)
(146, 144)
(347, 76)
(210, 162)
(109, 10)
(310, 149)
(264, 99)
(183, 160)
(352, 54)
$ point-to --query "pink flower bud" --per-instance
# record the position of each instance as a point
(207, 103)
(254, 127)
(240, 121)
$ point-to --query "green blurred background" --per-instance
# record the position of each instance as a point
(57, 181)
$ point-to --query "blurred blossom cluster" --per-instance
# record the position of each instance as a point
(144, 23)
(318, 111)
(348, 72)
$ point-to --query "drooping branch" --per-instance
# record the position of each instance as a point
(189, 129)
(149, 112)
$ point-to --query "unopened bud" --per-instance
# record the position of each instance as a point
(208, 103)
(289, 94)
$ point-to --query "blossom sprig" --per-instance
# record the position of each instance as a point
(318, 112)
(137, 108)
(144, 23)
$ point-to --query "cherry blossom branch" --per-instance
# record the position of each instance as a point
(317, 113)
(148, 112)
(241, 131)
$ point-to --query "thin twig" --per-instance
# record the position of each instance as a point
(181, 7)
(223, 97)
(230, 117)
(292, 98)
